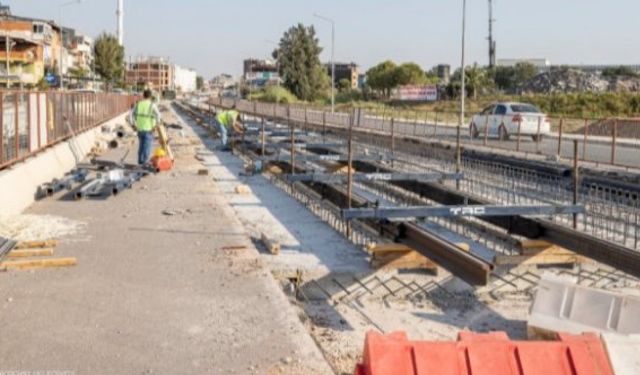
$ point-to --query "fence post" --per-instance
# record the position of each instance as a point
(16, 124)
(38, 127)
(538, 135)
(324, 126)
(28, 95)
(614, 136)
(560, 138)
(576, 180)
(1, 128)
(435, 128)
(393, 142)
(584, 143)
(486, 131)
(519, 134)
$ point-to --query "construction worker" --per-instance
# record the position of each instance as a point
(228, 123)
(144, 116)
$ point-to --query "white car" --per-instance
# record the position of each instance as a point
(506, 119)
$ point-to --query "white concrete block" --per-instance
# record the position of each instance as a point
(624, 353)
(562, 306)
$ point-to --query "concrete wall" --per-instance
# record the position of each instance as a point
(19, 183)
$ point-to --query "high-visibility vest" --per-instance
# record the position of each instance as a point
(227, 118)
(145, 116)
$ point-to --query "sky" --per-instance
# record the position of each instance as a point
(214, 36)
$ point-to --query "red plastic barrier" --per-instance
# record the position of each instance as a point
(484, 354)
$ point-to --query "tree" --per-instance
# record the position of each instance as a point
(344, 84)
(410, 74)
(382, 77)
(109, 58)
(298, 57)
(510, 78)
(476, 79)
(199, 83)
(621, 71)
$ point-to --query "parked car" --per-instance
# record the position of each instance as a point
(506, 119)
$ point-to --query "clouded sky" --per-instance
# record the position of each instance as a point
(215, 36)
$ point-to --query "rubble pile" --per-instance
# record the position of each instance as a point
(568, 80)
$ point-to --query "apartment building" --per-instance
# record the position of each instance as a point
(33, 49)
(348, 71)
(185, 79)
(156, 73)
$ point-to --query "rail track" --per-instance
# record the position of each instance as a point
(607, 232)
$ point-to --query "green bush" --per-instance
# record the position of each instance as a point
(275, 94)
(349, 96)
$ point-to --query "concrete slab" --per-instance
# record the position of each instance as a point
(154, 292)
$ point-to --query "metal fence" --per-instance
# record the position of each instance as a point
(609, 141)
(33, 121)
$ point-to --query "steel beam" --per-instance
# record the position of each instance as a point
(365, 177)
(327, 157)
(458, 211)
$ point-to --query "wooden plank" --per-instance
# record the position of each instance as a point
(37, 263)
(551, 250)
(503, 260)
(26, 253)
(36, 244)
(408, 260)
(164, 140)
(534, 244)
(272, 246)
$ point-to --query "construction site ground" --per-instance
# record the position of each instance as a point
(155, 291)
(173, 278)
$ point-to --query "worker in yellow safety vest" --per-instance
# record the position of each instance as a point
(228, 123)
(145, 116)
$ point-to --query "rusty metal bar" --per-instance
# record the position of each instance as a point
(576, 181)
(560, 137)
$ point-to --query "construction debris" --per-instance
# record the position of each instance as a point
(37, 263)
(272, 246)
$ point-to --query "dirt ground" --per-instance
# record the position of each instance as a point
(155, 291)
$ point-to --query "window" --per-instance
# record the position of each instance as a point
(501, 110)
(38, 28)
(488, 110)
(524, 108)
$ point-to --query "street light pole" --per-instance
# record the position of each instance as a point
(462, 93)
(63, 5)
(333, 62)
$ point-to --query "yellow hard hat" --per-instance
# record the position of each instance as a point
(159, 152)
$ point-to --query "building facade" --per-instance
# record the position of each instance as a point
(155, 73)
(33, 48)
(185, 79)
(348, 71)
(260, 73)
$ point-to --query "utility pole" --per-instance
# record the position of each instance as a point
(492, 43)
(333, 61)
(120, 15)
(463, 93)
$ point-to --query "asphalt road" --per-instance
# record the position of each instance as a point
(597, 150)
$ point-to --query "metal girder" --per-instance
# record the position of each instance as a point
(327, 157)
(286, 146)
(603, 251)
(457, 211)
(364, 177)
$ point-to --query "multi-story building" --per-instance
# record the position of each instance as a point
(260, 72)
(33, 49)
(156, 73)
(348, 71)
(82, 51)
(443, 71)
(185, 79)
